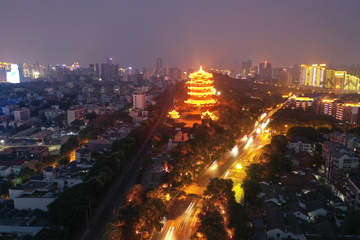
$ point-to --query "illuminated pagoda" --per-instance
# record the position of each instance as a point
(207, 115)
(201, 93)
(201, 89)
(174, 114)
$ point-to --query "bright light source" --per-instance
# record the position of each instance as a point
(238, 166)
(258, 130)
(235, 150)
(245, 138)
(13, 76)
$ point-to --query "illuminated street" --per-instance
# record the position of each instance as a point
(180, 223)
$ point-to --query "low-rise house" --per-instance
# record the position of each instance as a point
(33, 195)
(296, 209)
(20, 153)
(273, 193)
(83, 153)
(317, 208)
(15, 166)
(299, 144)
(22, 223)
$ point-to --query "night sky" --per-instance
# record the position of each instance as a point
(212, 33)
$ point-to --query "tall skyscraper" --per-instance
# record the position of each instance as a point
(261, 70)
(267, 71)
(103, 71)
(158, 72)
(248, 65)
(97, 70)
(166, 72)
(109, 60)
(91, 69)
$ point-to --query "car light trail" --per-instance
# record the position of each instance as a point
(227, 173)
(169, 233)
(234, 150)
(214, 162)
(190, 207)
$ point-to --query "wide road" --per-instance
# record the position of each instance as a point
(116, 195)
(181, 221)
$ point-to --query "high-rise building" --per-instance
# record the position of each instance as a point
(175, 73)
(318, 76)
(285, 78)
(267, 71)
(138, 79)
(139, 101)
(312, 75)
(103, 71)
(4, 67)
(109, 61)
(166, 72)
(158, 71)
(13, 75)
(295, 72)
(340, 163)
(91, 69)
(76, 112)
(248, 66)
(243, 68)
(22, 114)
(97, 70)
(261, 70)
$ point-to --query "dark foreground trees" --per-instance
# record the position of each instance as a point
(220, 211)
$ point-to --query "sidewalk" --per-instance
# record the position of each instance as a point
(151, 177)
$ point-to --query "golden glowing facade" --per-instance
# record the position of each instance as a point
(201, 89)
(207, 115)
(313, 76)
(318, 76)
(174, 114)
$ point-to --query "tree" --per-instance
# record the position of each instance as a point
(279, 143)
(252, 188)
(69, 210)
(351, 223)
(71, 144)
(26, 173)
(91, 116)
(61, 120)
(76, 124)
(307, 132)
(211, 226)
(135, 195)
(317, 160)
(255, 171)
(219, 191)
(160, 193)
(151, 214)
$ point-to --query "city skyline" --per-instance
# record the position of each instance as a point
(207, 33)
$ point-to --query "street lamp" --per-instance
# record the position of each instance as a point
(141, 232)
